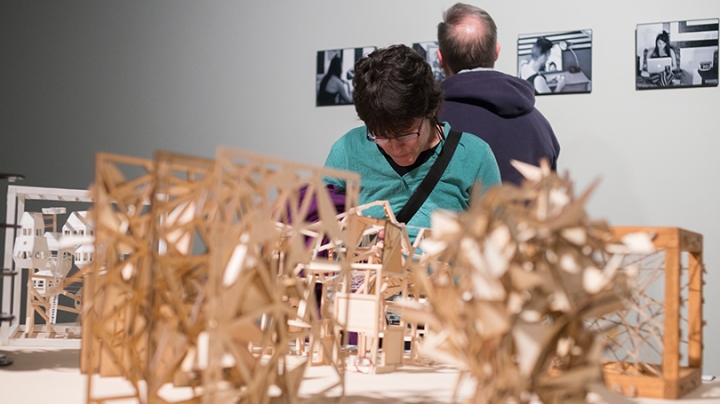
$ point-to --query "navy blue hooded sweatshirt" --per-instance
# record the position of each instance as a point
(500, 109)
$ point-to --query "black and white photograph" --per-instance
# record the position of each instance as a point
(335, 71)
(429, 50)
(556, 62)
(676, 54)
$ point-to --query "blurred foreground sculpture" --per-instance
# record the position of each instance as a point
(510, 284)
(195, 285)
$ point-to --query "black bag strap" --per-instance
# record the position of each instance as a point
(431, 179)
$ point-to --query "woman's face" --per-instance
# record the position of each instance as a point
(543, 58)
(404, 153)
(661, 44)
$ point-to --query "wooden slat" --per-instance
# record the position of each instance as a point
(671, 334)
(695, 310)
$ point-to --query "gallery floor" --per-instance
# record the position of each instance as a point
(51, 375)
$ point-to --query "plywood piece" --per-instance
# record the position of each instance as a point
(358, 312)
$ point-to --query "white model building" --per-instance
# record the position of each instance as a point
(78, 225)
(31, 247)
(37, 250)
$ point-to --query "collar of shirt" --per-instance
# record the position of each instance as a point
(477, 69)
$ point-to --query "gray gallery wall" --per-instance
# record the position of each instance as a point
(134, 76)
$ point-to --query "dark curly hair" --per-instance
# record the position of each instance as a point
(393, 87)
(541, 47)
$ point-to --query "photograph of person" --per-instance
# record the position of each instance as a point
(428, 50)
(335, 73)
(556, 62)
(676, 54)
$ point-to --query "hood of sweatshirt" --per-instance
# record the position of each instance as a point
(502, 94)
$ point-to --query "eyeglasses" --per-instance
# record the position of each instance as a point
(402, 139)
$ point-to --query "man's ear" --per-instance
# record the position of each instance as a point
(443, 66)
(497, 50)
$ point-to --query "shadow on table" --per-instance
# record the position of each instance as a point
(384, 399)
(36, 358)
(706, 391)
(426, 369)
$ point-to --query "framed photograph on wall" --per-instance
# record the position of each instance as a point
(335, 71)
(556, 62)
(429, 51)
(676, 54)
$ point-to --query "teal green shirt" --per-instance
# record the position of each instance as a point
(472, 162)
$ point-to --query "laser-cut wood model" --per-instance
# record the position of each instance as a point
(117, 303)
(657, 349)
(380, 252)
(511, 283)
(196, 278)
(260, 205)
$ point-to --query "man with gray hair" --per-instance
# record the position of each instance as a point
(497, 107)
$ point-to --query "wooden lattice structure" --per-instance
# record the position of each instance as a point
(145, 274)
(380, 252)
(182, 209)
(117, 294)
(197, 280)
(657, 348)
(262, 241)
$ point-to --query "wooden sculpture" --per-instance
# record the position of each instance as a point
(117, 305)
(663, 318)
(509, 285)
(261, 242)
(198, 276)
(379, 252)
(183, 210)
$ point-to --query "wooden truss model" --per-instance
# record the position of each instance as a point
(657, 349)
(116, 299)
(509, 286)
(379, 252)
(197, 276)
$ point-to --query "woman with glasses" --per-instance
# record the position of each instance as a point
(398, 99)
